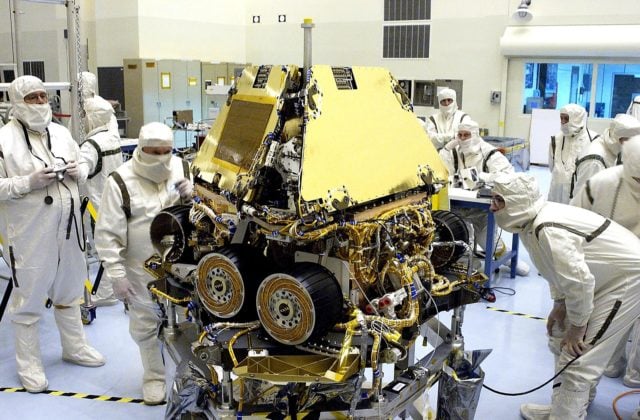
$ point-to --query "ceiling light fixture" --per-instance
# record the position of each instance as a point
(523, 14)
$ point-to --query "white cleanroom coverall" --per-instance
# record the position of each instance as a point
(98, 163)
(565, 148)
(486, 159)
(615, 194)
(123, 244)
(574, 249)
(43, 231)
(100, 155)
(443, 125)
(604, 151)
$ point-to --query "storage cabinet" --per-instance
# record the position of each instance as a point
(155, 88)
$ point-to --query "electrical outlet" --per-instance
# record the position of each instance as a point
(496, 96)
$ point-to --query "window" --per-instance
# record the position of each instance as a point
(553, 85)
(407, 35)
(34, 68)
(616, 86)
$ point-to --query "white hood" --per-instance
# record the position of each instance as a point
(624, 125)
(522, 200)
(577, 119)
(89, 84)
(631, 165)
(450, 109)
(98, 114)
(471, 145)
(35, 116)
(634, 108)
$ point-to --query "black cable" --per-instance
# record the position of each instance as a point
(72, 218)
(516, 394)
(495, 246)
(503, 290)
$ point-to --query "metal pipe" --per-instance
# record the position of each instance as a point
(171, 329)
(456, 327)
(226, 391)
(15, 32)
(72, 37)
(306, 63)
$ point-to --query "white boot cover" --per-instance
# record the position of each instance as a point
(569, 404)
(28, 359)
(75, 348)
(143, 326)
(535, 411)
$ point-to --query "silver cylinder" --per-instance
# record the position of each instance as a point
(306, 63)
(226, 391)
(171, 329)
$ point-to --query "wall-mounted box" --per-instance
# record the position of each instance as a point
(424, 93)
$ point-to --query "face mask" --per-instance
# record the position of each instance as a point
(156, 168)
(570, 129)
(35, 116)
(448, 110)
(470, 146)
(153, 159)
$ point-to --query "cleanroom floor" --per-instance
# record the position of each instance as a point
(520, 360)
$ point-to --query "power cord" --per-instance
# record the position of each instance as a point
(516, 394)
(615, 401)
(489, 293)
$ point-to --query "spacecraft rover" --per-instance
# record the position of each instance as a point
(317, 246)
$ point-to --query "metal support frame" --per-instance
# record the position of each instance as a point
(15, 13)
(396, 398)
(73, 41)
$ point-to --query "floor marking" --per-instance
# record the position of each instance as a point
(80, 395)
(516, 313)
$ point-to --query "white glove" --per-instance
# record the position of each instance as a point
(41, 178)
(122, 289)
(73, 169)
(184, 187)
(573, 340)
(451, 145)
(556, 316)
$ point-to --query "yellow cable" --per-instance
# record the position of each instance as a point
(171, 299)
(233, 340)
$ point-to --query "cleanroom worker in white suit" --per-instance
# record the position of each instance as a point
(442, 126)
(89, 89)
(634, 107)
(469, 150)
(615, 193)
(43, 240)
(604, 151)
(154, 179)
(566, 147)
(594, 306)
(100, 155)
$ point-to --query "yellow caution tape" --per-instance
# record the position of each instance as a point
(516, 313)
(80, 395)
